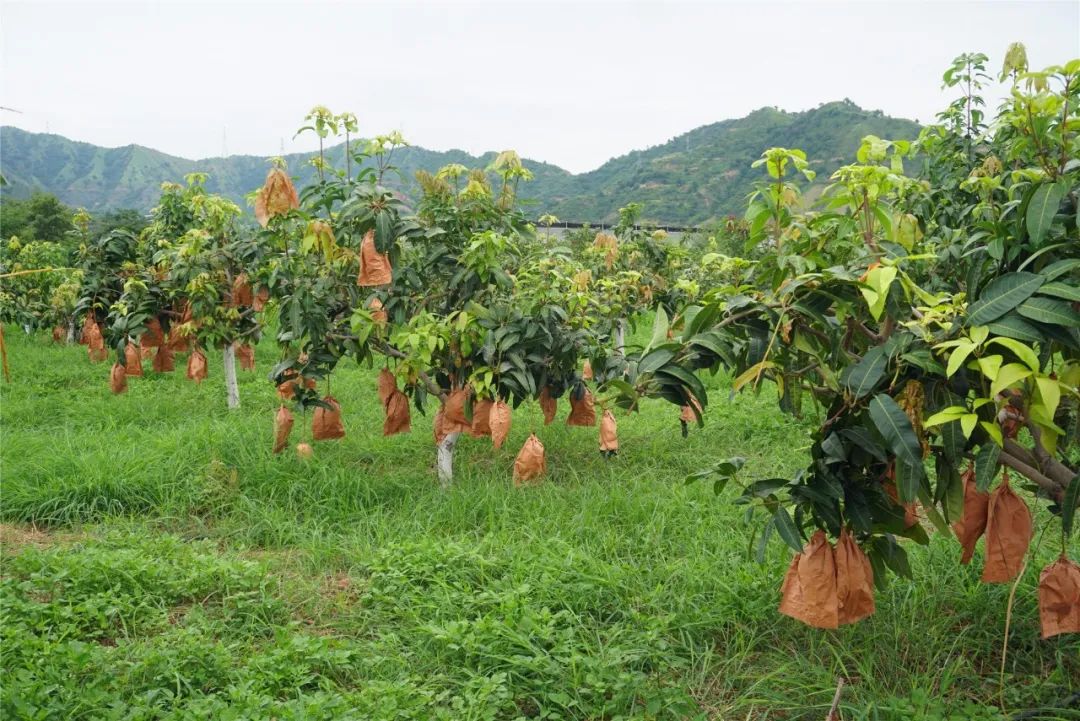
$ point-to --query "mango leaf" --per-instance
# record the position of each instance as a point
(861, 378)
(786, 528)
(660, 329)
(1061, 290)
(1050, 392)
(1059, 268)
(750, 374)
(1049, 310)
(986, 465)
(688, 379)
(1012, 325)
(1042, 209)
(990, 365)
(895, 428)
(1007, 376)
(1002, 295)
(655, 360)
(993, 430)
(958, 356)
(879, 279)
(1023, 352)
(946, 415)
(952, 441)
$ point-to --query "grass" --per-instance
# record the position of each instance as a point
(160, 563)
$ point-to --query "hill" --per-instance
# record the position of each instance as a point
(701, 175)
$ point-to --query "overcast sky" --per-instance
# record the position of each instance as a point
(569, 83)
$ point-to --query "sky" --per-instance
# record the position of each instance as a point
(572, 84)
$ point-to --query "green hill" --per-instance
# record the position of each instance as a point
(698, 176)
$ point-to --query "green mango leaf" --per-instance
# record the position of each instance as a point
(787, 530)
(986, 465)
(1002, 295)
(1059, 289)
(1023, 352)
(1042, 209)
(1012, 325)
(1049, 310)
(1008, 375)
(895, 428)
(688, 379)
(655, 360)
(861, 378)
(660, 329)
(1059, 268)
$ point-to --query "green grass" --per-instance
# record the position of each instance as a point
(183, 572)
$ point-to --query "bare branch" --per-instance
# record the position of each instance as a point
(1052, 488)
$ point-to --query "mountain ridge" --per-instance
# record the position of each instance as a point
(700, 175)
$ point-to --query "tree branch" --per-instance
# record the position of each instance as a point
(1056, 492)
(432, 387)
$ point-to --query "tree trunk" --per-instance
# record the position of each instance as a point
(620, 337)
(445, 459)
(231, 388)
(71, 330)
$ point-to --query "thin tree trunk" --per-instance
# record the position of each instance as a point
(71, 330)
(231, 388)
(445, 459)
(620, 337)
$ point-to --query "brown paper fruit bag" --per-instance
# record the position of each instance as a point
(163, 360)
(378, 315)
(118, 378)
(153, 336)
(582, 412)
(455, 406)
(1059, 598)
(88, 323)
(241, 291)
(809, 588)
(326, 423)
(854, 580)
(245, 353)
(387, 385)
(397, 414)
(481, 418)
(1008, 533)
(586, 371)
(686, 414)
(375, 267)
(609, 433)
(972, 522)
(276, 197)
(548, 405)
(95, 344)
(132, 360)
(260, 299)
(531, 461)
(283, 423)
(911, 516)
(57, 334)
(499, 418)
(196, 366)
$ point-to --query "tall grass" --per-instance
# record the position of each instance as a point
(209, 577)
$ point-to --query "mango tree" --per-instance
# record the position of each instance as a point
(189, 278)
(460, 298)
(931, 326)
